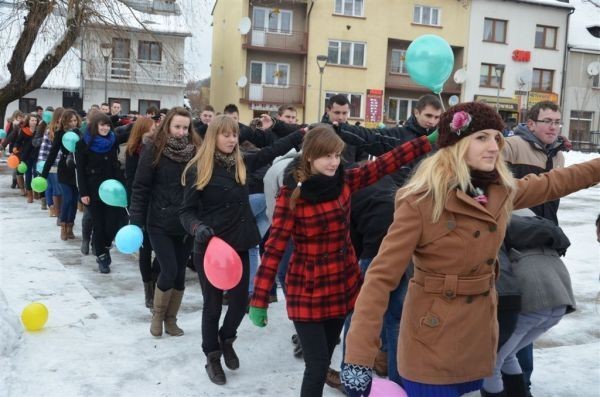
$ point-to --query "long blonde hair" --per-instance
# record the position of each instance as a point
(318, 142)
(204, 159)
(447, 170)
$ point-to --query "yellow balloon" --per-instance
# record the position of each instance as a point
(34, 316)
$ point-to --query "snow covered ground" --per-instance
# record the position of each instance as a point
(96, 341)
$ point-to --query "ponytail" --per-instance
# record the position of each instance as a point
(300, 177)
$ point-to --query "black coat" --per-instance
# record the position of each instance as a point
(64, 172)
(94, 168)
(223, 204)
(24, 145)
(157, 193)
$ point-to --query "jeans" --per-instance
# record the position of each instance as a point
(53, 188)
(212, 305)
(69, 204)
(172, 253)
(318, 340)
(525, 357)
(258, 206)
(29, 173)
(284, 263)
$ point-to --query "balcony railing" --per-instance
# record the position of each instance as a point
(274, 94)
(260, 38)
(403, 81)
(136, 71)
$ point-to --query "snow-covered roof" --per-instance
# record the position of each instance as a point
(586, 14)
(549, 3)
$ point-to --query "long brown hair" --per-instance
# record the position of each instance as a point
(55, 122)
(318, 142)
(66, 117)
(205, 157)
(162, 132)
(142, 125)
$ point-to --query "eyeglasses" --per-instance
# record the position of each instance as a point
(551, 123)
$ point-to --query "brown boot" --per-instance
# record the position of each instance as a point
(51, 211)
(21, 184)
(57, 205)
(29, 194)
(171, 327)
(36, 196)
(70, 234)
(63, 231)
(381, 364)
(332, 379)
(79, 206)
(161, 302)
(43, 204)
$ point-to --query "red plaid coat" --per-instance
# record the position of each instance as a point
(323, 277)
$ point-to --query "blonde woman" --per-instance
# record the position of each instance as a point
(216, 203)
(450, 219)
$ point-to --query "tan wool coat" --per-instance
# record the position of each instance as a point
(449, 330)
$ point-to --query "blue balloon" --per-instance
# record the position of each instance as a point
(129, 239)
(2, 134)
(69, 140)
(430, 60)
(112, 192)
(47, 116)
(39, 167)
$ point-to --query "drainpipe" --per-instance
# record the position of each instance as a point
(565, 59)
(81, 77)
(310, 7)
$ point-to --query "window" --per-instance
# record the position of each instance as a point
(272, 20)
(596, 81)
(542, 80)
(346, 53)
(355, 102)
(397, 64)
(545, 37)
(399, 108)
(489, 76)
(120, 66)
(427, 15)
(144, 104)
(125, 104)
(149, 51)
(494, 30)
(27, 105)
(353, 8)
(580, 125)
(270, 73)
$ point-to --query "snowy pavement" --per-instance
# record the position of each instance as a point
(96, 341)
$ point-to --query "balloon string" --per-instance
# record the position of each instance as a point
(441, 101)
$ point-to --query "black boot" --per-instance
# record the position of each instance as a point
(488, 394)
(214, 369)
(231, 359)
(297, 346)
(85, 245)
(103, 263)
(149, 294)
(514, 385)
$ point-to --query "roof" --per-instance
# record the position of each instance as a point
(586, 14)
(547, 3)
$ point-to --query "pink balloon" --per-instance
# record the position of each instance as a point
(222, 265)
(386, 388)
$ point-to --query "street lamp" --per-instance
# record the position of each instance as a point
(498, 71)
(322, 62)
(106, 50)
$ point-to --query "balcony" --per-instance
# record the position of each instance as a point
(294, 42)
(126, 70)
(404, 82)
(273, 95)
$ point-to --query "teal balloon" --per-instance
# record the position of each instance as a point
(22, 168)
(39, 167)
(112, 192)
(39, 184)
(129, 239)
(69, 140)
(2, 134)
(429, 61)
(47, 116)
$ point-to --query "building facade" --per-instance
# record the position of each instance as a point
(516, 54)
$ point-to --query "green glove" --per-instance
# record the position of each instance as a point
(258, 316)
(433, 137)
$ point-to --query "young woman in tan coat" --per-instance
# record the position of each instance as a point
(450, 219)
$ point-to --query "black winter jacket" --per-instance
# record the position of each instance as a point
(64, 172)
(223, 204)
(23, 144)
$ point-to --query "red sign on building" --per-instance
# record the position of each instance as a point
(374, 106)
(521, 56)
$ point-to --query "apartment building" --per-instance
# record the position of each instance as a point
(517, 52)
(274, 60)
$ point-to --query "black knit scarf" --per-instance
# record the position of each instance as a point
(321, 188)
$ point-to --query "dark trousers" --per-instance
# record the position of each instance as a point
(148, 269)
(172, 253)
(318, 340)
(212, 305)
(106, 220)
(87, 224)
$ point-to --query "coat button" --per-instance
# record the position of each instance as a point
(493, 228)
(450, 294)
(474, 269)
(469, 299)
(476, 234)
(490, 261)
(432, 321)
(451, 224)
(243, 220)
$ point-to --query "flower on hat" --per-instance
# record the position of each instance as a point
(460, 122)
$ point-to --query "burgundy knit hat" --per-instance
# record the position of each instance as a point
(465, 119)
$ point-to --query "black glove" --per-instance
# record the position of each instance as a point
(203, 233)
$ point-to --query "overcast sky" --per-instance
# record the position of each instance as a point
(198, 47)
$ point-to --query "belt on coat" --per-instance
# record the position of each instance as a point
(451, 285)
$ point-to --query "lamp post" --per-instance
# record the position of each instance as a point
(498, 71)
(106, 50)
(321, 62)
